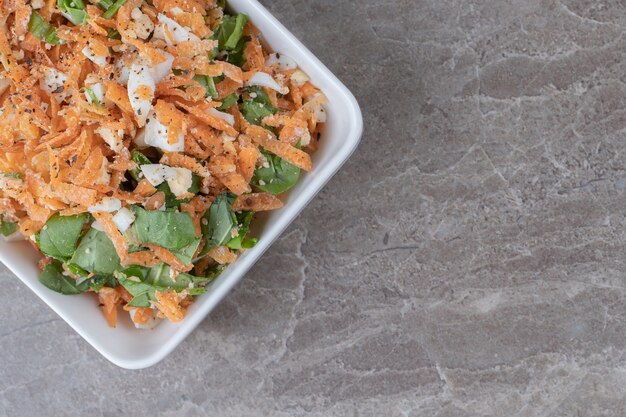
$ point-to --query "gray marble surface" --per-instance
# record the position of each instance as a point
(468, 261)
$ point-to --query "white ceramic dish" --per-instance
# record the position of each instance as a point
(130, 348)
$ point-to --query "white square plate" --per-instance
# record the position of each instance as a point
(130, 348)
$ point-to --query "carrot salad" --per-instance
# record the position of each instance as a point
(138, 140)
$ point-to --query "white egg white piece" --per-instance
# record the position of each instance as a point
(178, 179)
(53, 83)
(162, 70)
(284, 62)
(141, 88)
(99, 60)
(155, 173)
(123, 219)
(156, 134)
(98, 91)
(96, 225)
(172, 32)
(229, 118)
(112, 138)
(107, 204)
(299, 78)
(263, 79)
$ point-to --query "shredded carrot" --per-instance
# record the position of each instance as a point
(257, 202)
(76, 140)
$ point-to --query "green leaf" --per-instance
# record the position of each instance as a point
(113, 8)
(160, 276)
(140, 159)
(53, 278)
(230, 31)
(8, 228)
(208, 83)
(73, 10)
(240, 241)
(258, 107)
(113, 34)
(60, 234)
(171, 201)
(13, 175)
(92, 96)
(141, 283)
(255, 112)
(167, 229)
(260, 96)
(229, 101)
(96, 254)
(42, 30)
(98, 281)
(186, 254)
(236, 56)
(278, 177)
(105, 4)
(220, 221)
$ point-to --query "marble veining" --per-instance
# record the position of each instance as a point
(469, 260)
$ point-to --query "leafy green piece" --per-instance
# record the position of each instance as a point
(208, 83)
(52, 277)
(105, 4)
(221, 4)
(42, 30)
(241, 241)
(60, 234)
(113, 34)
(278, 177)
(113, 8)
(260, 96)
(255, 112)
(73, 10)
(96, 254)
(220, 221)
(141, 283)
(236, 56)
(230, 31)
(258, 107)
(13, 175)
(8, 228)
(229, 101)
(167, 229)
(171, 201)
(92, 96)
(139, 159)
(186, 254)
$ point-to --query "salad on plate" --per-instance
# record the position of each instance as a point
(138, 139)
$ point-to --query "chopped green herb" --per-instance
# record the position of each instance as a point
(73, 10)
(113, 8)
(42, 30)
(241, 241)
(8, 228)
(208, 83)
(140, 159)
(278, 177)
(168, 229)
(96, 254)
(229, 101)
(230, 31)
(52, 277)
(220, 221)
(60, 234)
